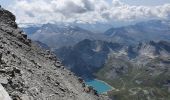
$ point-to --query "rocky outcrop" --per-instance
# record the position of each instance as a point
(29, 73)
(9, 18)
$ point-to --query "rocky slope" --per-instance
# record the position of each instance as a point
(29, 73)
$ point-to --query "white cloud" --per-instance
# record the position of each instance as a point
(44, 11)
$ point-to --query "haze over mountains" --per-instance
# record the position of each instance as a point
(155, 30)
(58, 35)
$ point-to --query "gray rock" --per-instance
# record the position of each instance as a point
(3, 80)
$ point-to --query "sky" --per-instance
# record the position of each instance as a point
(87, 11)
(145, 2)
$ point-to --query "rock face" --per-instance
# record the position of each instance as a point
(9, 18)
(29, 73)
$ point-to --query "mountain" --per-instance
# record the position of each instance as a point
(153, 49)
(59, 35)
(68, 34)
(28, 72)
(136, 72)
(89, 56)
(143, 31)
(95, 27)
(42, 45)
(141, 72)
(30, 30)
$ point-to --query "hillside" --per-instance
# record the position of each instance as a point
(28, 72)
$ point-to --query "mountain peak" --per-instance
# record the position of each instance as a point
(7, 18)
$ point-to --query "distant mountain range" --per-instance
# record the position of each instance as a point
(59, 35)
(56, 36)
(155, 30)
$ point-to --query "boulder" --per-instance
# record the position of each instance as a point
(3, 80)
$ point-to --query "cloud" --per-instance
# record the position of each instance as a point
(121, 11)
(45, 11)
(67, 7)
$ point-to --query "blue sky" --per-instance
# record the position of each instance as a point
(5, 3)
(83, 11)
(145, 2)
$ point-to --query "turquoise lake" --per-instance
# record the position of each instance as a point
(100, 86)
